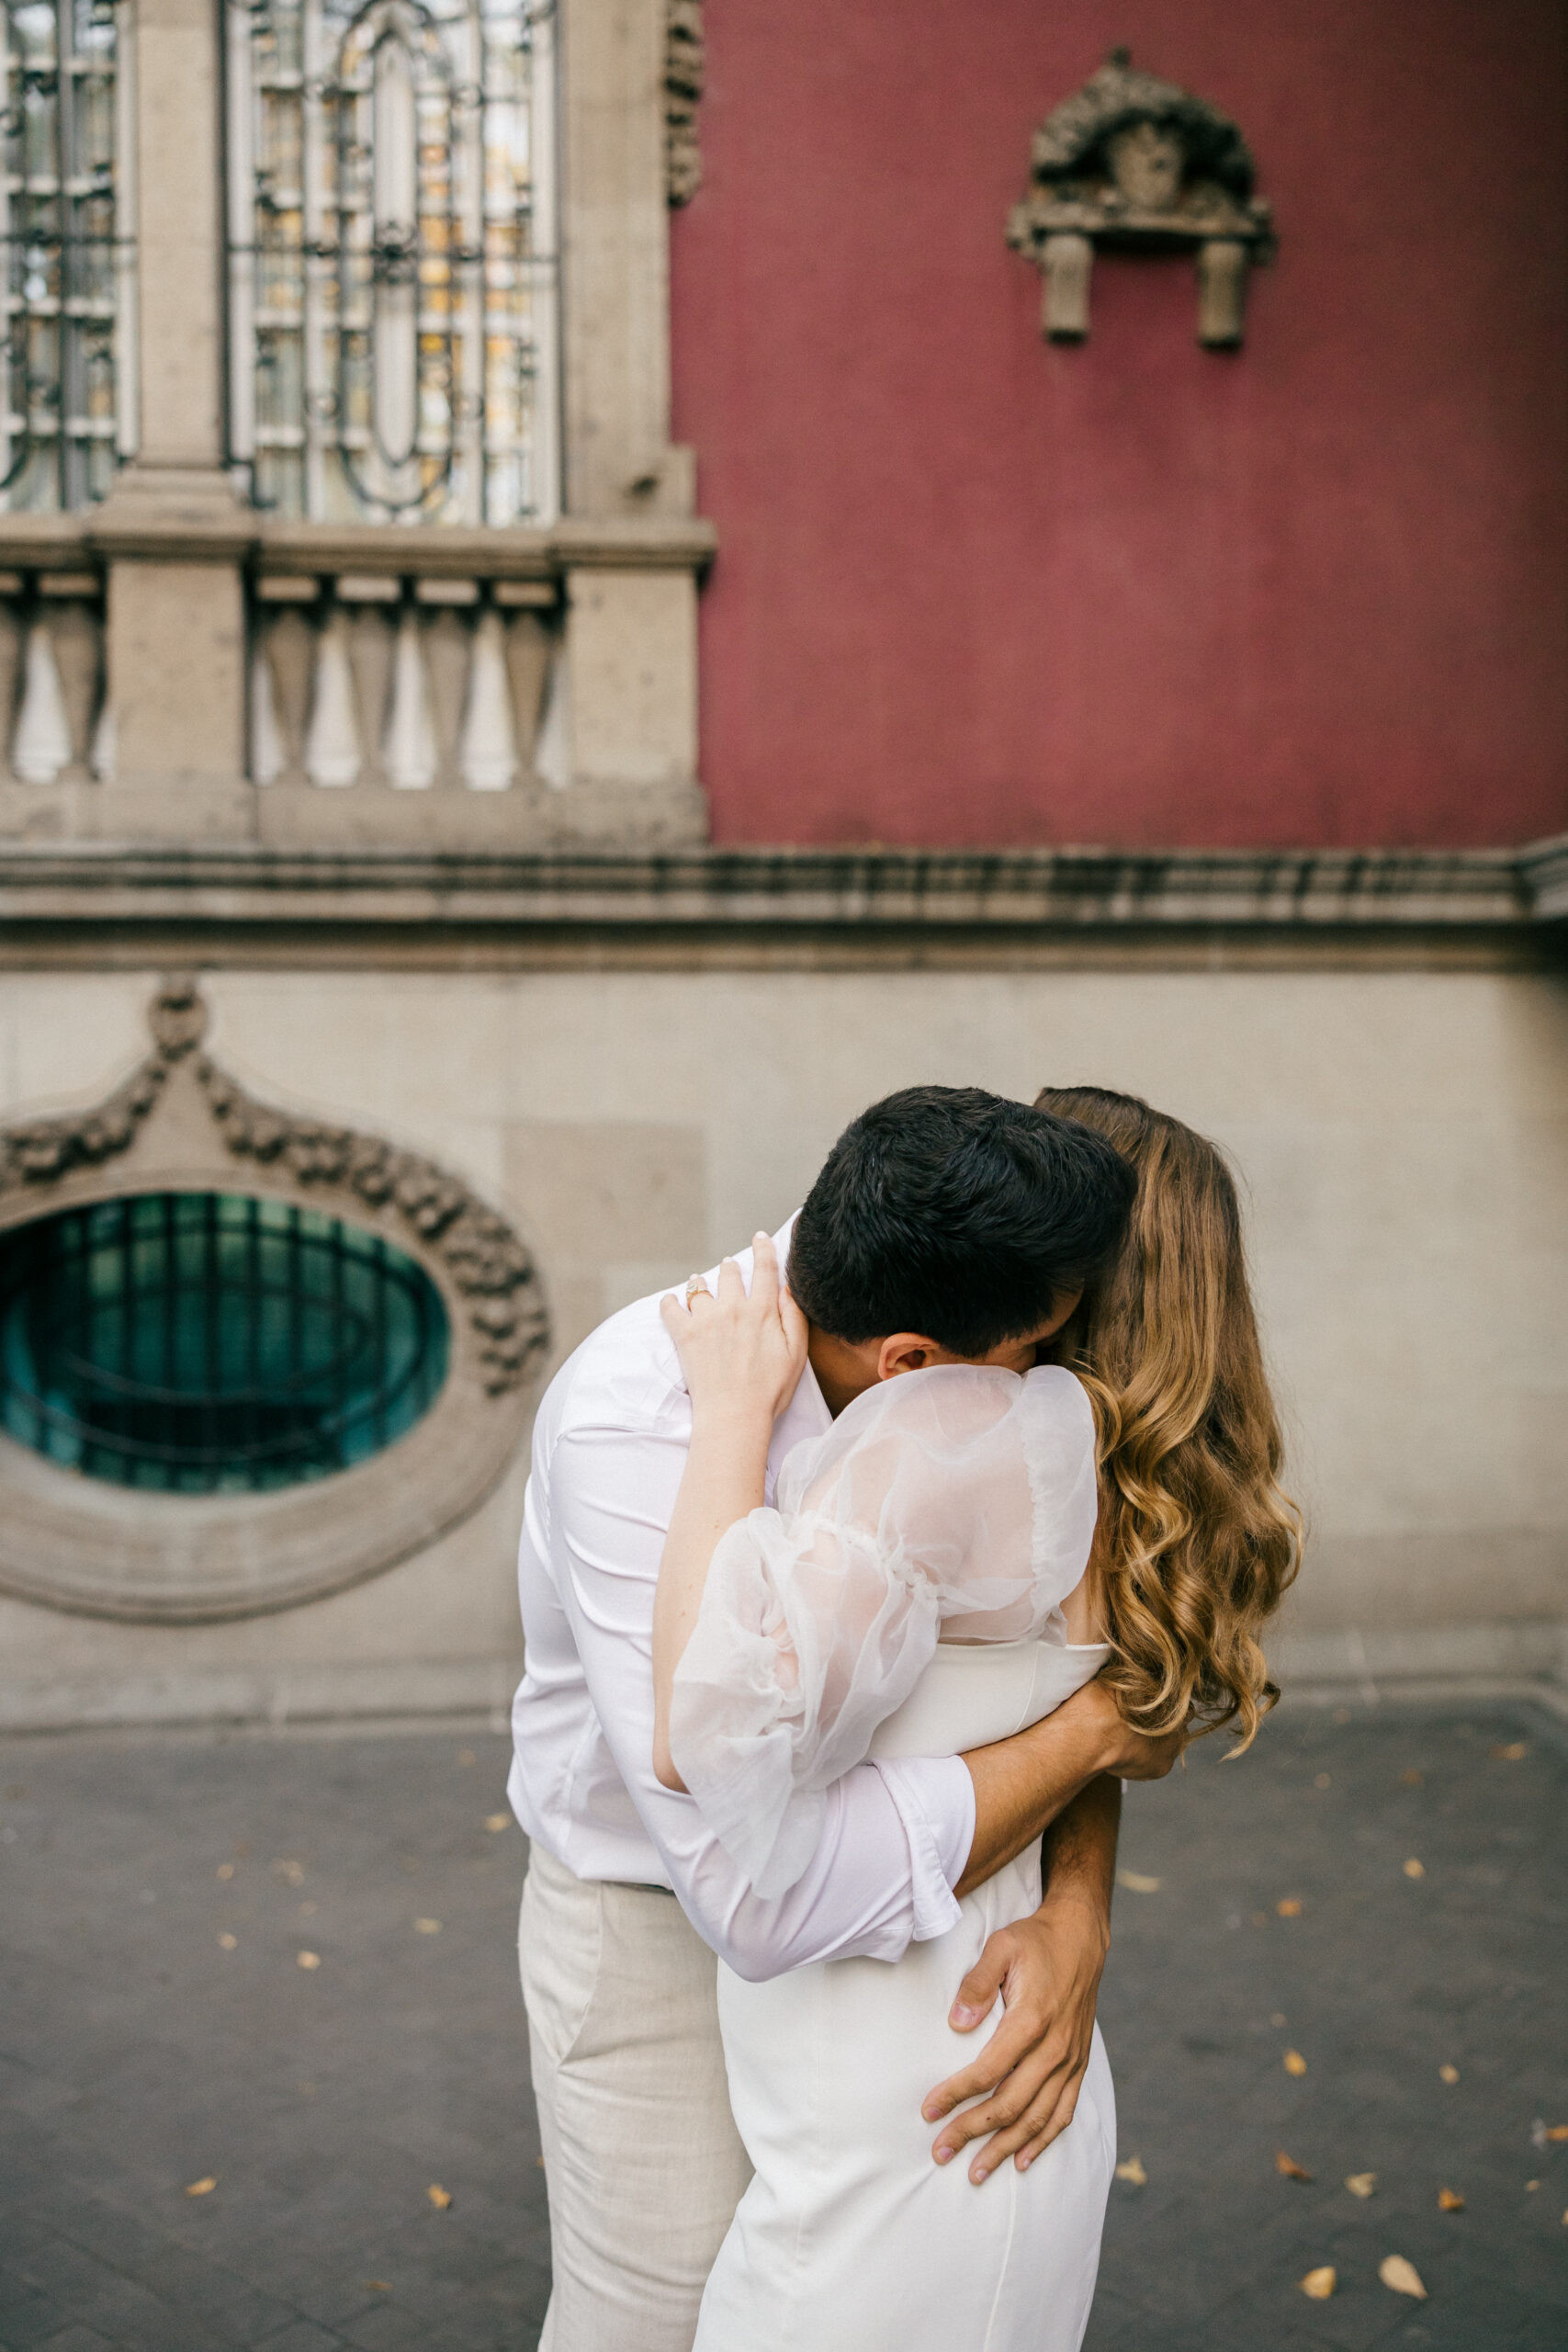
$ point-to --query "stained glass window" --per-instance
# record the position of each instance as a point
(66, 242)
(392, 273)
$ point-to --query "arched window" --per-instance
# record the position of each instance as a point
(392, 273)
(211, 1342)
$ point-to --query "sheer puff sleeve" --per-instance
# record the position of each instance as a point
(959, 1499)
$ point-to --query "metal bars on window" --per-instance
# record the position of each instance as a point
(67, 245)
(393, 342)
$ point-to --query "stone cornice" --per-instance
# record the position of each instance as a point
(1062, 894)
(167, 529)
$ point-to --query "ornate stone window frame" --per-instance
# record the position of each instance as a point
(181, 1122)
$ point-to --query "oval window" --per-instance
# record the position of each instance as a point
(212, 1343)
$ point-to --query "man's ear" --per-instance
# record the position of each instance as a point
(907, 1352)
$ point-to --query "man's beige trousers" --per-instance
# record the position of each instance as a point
(642, 2161)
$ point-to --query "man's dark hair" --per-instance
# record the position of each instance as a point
(947, 1211)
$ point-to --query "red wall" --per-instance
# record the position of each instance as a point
(973, 588)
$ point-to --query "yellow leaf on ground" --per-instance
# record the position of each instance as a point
(1320, 2284)
(440, 2198)
(308, 1958)
(1410, 1779)
(467, 1755)
(1413, 1869)
(203, 2188)
(1449, 2201)
(427, 1927)
(227, 1942)
(1514, 1753)
(1529, 2185)
(1402, 2277)
(1136, 1883)
(1294, 2063)
(498, 1821)
(1362, 2184)
(1447, 2074)
(1557, 2130)
(1288, 2168)
(376, 2286)
(225, 1870)
(1133, 2170)
(1291, 1909)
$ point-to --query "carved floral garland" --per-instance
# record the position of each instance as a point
(488, 1264)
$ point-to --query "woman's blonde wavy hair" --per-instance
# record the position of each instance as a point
(1198, 1540)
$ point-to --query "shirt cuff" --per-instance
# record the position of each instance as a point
(934, 1798)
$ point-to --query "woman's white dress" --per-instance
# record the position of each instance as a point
(955, 1502)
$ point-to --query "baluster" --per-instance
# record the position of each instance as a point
(331, 748)
(268, 759)
(77, 639)
(42, 748)
(11, 658)
(448, 655)
(552, 745)
(409, 756)
(287, 648)
(104, 758)
(486, 758)
(372, 642)
(528, 667)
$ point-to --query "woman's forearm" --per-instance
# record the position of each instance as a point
(724, 1479)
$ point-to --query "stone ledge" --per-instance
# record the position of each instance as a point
(156, 527)
(1065, 892)
(398, 1689)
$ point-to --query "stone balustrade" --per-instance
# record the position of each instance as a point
(193, 674)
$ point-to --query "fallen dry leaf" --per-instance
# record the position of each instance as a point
(1133, 2170)
(440, 2198)
(308, 1958)
(1449, 2201)
(1278, 2018)
(498, 1821)
(1514, 1753)
(1288, 2168)
(1362, 2184)
(226, 1942)
(376, 2286)
(225, 1870)
(1529, 2185)
(1410, 1779)
(1291, 1909)
(1322, 1781)
(1294, 2063)
(203, 2188)
(1557, 2130)
(467, 1755)
(427, 1927)
(1413, 1869)
(1136, 1882)
(1320, 2284)
(1402, 2277)
(1449, 2074)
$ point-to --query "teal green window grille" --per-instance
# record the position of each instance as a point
(212, 1343)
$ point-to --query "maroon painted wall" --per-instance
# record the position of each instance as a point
(973, 588)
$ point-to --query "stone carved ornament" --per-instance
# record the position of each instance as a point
(1134, 162)
(486, 1262)
(682, 90)
(178, 1122)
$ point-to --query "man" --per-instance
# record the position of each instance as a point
(948, 1225)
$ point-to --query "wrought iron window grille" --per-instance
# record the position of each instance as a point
(208, 1343)
(67, 241)
(393, 278)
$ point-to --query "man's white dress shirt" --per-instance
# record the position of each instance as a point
(609, 1447)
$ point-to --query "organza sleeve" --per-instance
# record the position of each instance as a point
(962, 1497)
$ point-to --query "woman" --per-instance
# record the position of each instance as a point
(924, 1585)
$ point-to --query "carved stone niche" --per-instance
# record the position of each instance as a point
(1135, 163)
(179, 1123)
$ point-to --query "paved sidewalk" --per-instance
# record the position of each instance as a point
(140, 2056)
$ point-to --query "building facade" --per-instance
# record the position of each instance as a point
(562, 626)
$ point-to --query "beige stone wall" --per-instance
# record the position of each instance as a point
(1401, 1135)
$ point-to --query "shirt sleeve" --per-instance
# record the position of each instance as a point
(957, 1496)
(877, 1876)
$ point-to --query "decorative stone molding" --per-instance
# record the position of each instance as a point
(1132, 163)
(683, 74)
(180, 1121)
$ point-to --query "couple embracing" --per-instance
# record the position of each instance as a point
(854, 1583)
